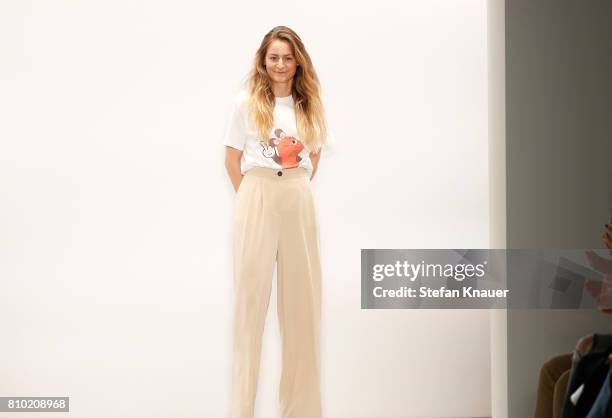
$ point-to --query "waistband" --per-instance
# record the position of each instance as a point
(274, 174)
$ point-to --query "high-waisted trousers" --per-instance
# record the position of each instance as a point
(275, 222)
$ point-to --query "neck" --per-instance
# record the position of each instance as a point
(281, 89)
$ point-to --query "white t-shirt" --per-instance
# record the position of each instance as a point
(285, 150)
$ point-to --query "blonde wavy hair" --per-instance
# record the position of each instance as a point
(306, 92)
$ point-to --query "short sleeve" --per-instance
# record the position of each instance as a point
(329, 147)
(235, 125)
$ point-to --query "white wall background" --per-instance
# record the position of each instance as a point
(496, 104)
(115, 208)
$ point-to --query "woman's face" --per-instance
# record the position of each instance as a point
(280, 61)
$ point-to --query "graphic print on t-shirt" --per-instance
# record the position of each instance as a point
(283, 149)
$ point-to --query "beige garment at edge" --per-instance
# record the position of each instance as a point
(275, 221)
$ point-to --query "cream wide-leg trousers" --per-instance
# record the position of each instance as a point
(275, 221)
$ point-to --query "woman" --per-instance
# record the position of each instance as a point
(273, 144)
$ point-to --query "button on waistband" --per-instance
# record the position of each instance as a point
(280, 174)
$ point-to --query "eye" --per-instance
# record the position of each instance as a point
(294, 142)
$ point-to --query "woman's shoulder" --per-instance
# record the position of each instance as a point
(239, 103)
(241, 97)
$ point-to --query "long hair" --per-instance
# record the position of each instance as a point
(305, 90)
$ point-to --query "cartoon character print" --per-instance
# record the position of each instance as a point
(283, 149)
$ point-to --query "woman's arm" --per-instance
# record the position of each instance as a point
(315, 162)
(232, 164)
